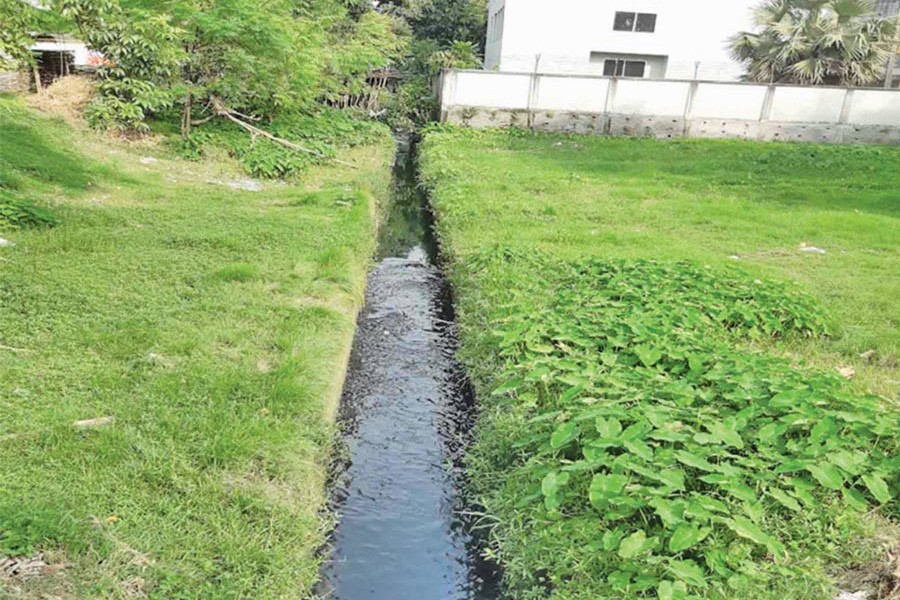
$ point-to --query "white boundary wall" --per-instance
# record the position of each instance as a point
(670, 108)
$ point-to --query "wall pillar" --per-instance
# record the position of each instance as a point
(765, 113)
(610, 105)
(845, 108)
(447, 93)
(845, 115)
(533, 90)
(689, 106)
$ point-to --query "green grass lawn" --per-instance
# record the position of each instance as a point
(212, 325)
(563, 321)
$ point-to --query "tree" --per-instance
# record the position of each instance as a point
(17, 19)
(830, 42)
(251, 58)
(448, 21)
(371, 40)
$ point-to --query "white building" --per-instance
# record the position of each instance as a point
(672, 39)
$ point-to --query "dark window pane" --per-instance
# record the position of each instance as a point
(609, 68)
(624, 21)
(646, 22)
(634, 68)
(613, 68)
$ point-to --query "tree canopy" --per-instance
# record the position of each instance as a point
(836, 42)
(258, 58)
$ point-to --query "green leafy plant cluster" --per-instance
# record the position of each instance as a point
(325, 132)
(15, 213)
(15, 20)
(415, 102)
(637, 452)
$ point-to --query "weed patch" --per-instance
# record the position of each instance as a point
(630, 447)
(15, 213)
(324, 133)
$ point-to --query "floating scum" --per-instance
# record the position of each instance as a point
(633, 450)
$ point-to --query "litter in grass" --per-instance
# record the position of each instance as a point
(148, 160)
(23, 567)
(91, 423)
(243, 184)
(6, 243)
(854, 596)
(812, 249)
(847, 372)
(879, 580)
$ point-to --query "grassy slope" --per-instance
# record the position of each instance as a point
(707, 201)
(699, 200)
(213, 325)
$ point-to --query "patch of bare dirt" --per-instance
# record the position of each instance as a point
(41, 575)
(880, 580)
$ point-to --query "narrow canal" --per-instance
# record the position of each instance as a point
(406, 413)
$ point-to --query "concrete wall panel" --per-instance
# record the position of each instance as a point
(875, 107)
(729, 101)
(494, 90)
(807, 104)
(571, 93)
(650, 98)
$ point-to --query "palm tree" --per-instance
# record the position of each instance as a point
(819, 42)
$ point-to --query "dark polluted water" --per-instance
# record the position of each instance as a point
(407, 408)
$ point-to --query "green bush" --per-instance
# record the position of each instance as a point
(631, 450)
(323, 132)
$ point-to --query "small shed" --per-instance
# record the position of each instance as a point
(58, 55)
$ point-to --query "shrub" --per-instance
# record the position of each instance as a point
(323, 132)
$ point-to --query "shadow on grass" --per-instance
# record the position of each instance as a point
(37, 151)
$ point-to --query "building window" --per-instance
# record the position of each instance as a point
(646, 22)
(640, 22)
(624, 21)
(624, 68)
